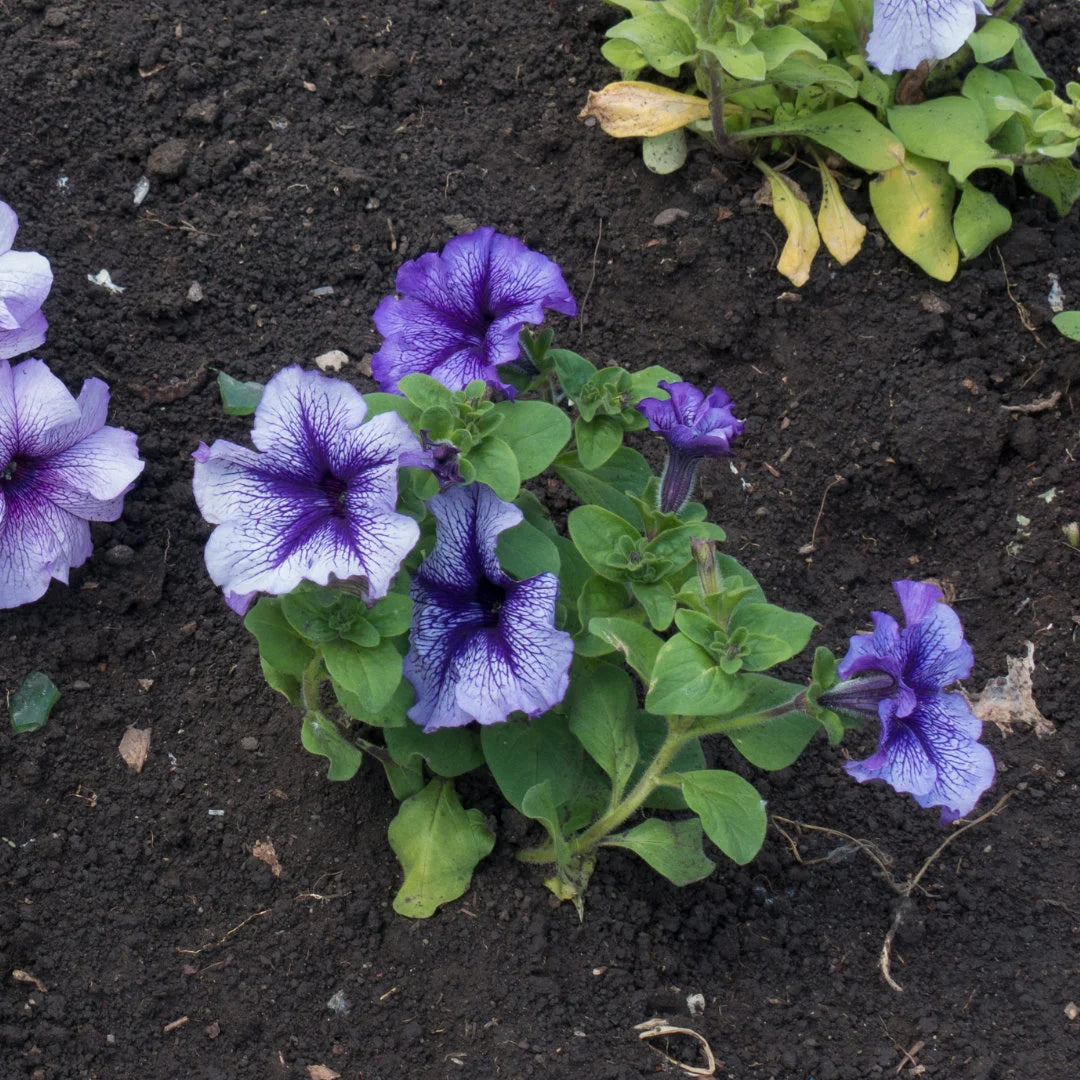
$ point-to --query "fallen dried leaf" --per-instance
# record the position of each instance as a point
(264, 852)
(321, 1072)
(135, 746)
(1007, 700)
(656, 1027)
(26, 977)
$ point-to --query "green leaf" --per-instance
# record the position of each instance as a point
(599, 598)
(279, 644)
(664, 154)
(651, 732)
(496, 466)
(914, 204)
(449, 752)
(535, 431)
(1059, 181)
(30, 705)
(289, 685)
(596, 533)
(1026, 63)
(438, 844)
(323, 737)
(524, 551)
(775, 635)
(639, 645)
(1068, 322)
(979, 220)
(777, 43)
(378, 403)
(665, 41)
(319, 615)
(521, 755)
(539, 804)
(671, 848)
(597, 440)
(731, 811)
(238, 398)
(404, 780)
(993, 40)
(658, 600)
(426, 393)
(390, 714)
(371, 674)
(687, 682)
(952, 129)
(990, 90)
(742, 61)
(602, 706)
(572, 370)
(624, 55)
(849, 130)
(625, 472)
(392, 615)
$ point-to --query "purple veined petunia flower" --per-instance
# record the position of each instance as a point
(25, 280)
(459, 313)
(695, 426)
(928, 746)
(60, 469)
(316, 498)
(907, 32)
(482, 644)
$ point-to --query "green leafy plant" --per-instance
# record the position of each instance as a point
(790, 81)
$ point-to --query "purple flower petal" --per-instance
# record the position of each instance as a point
(60, 467)
(24, 339)
(25, 280)
(928, 745)
(906, 32)
(318, 501)
(9, 226)
(459, 313)
(483, 646)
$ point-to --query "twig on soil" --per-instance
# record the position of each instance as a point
(228, 934)
(592, 278)
(175, 1024)
(883, 861)
(1025, 317)
(806, 549)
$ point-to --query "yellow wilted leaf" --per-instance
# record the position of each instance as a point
(803, 240)
(624, 109)
(842, 232)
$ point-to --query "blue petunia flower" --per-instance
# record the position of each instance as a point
(316, 499)
(907, 32)
(60, 469)
(695, 426)
(482, 644)
(459, 312)
(928, 746)
(25, 280)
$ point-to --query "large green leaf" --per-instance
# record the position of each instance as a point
(671, 848)
(323, 737)
(535, 431)
(438, 844)
(279, 644)
(951, 129)
(496, 465)
(602, 706)
(524, 754)
(665, 41)
(686, 681)
(1059, 181)
(449, 752)
(979, 220)
(597, 533)
(731, 810)
(524, 551)
(638, 644)
(371, 674)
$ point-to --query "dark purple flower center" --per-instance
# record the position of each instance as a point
(336, 491)
(491, 598)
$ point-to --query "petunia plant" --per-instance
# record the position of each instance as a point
(416, 597)
(930, 99)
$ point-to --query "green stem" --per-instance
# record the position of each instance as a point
(310, 682)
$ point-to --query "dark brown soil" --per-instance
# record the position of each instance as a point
(319, 143)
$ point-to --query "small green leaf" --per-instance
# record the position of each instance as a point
(425, 392)
(373, 675)
(323, 737)
(378, 403)
(279, 644)
(639, 645)
(979, 220)
(449, 752)
(535, 431)
(665, 41)
(1059, 181)
(1068, 322)
(289, 685)
(658, 600)
(539, 804)
(731, 811)
(496, 466)
(238, 398)
(774, 634)
(392, 615)
(30, 705)
(597, 440)
(777, 43)
(993, 40)
(390, 714)
(596, 533)
(671, 848)
(438, 844)
(664, 154)
(404, 780)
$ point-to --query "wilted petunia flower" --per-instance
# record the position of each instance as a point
(318, 500)
(60, 469)
(695, 426)
(483, 645)
(928, 744)
(25, 280)
(907, 32)
(460, 312)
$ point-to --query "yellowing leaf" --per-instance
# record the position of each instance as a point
(803, 240)
(842, 232)
(914, 203)
(624, 109)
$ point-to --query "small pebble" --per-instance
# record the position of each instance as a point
(249, 742)
(195, 292)
(119, 555)
(80, 684)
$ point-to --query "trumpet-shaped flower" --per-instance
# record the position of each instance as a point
(695, 426)
(459, 313)
(316, 498)
(482, 644)
(907, 32)
(25, 280)
(928, 745)
(60, 469)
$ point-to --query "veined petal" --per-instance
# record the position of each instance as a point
(33, 403)
(38, 541)
(25, 281)
(90, 478)
(9, 226)
(26, 337)
(906, 32)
